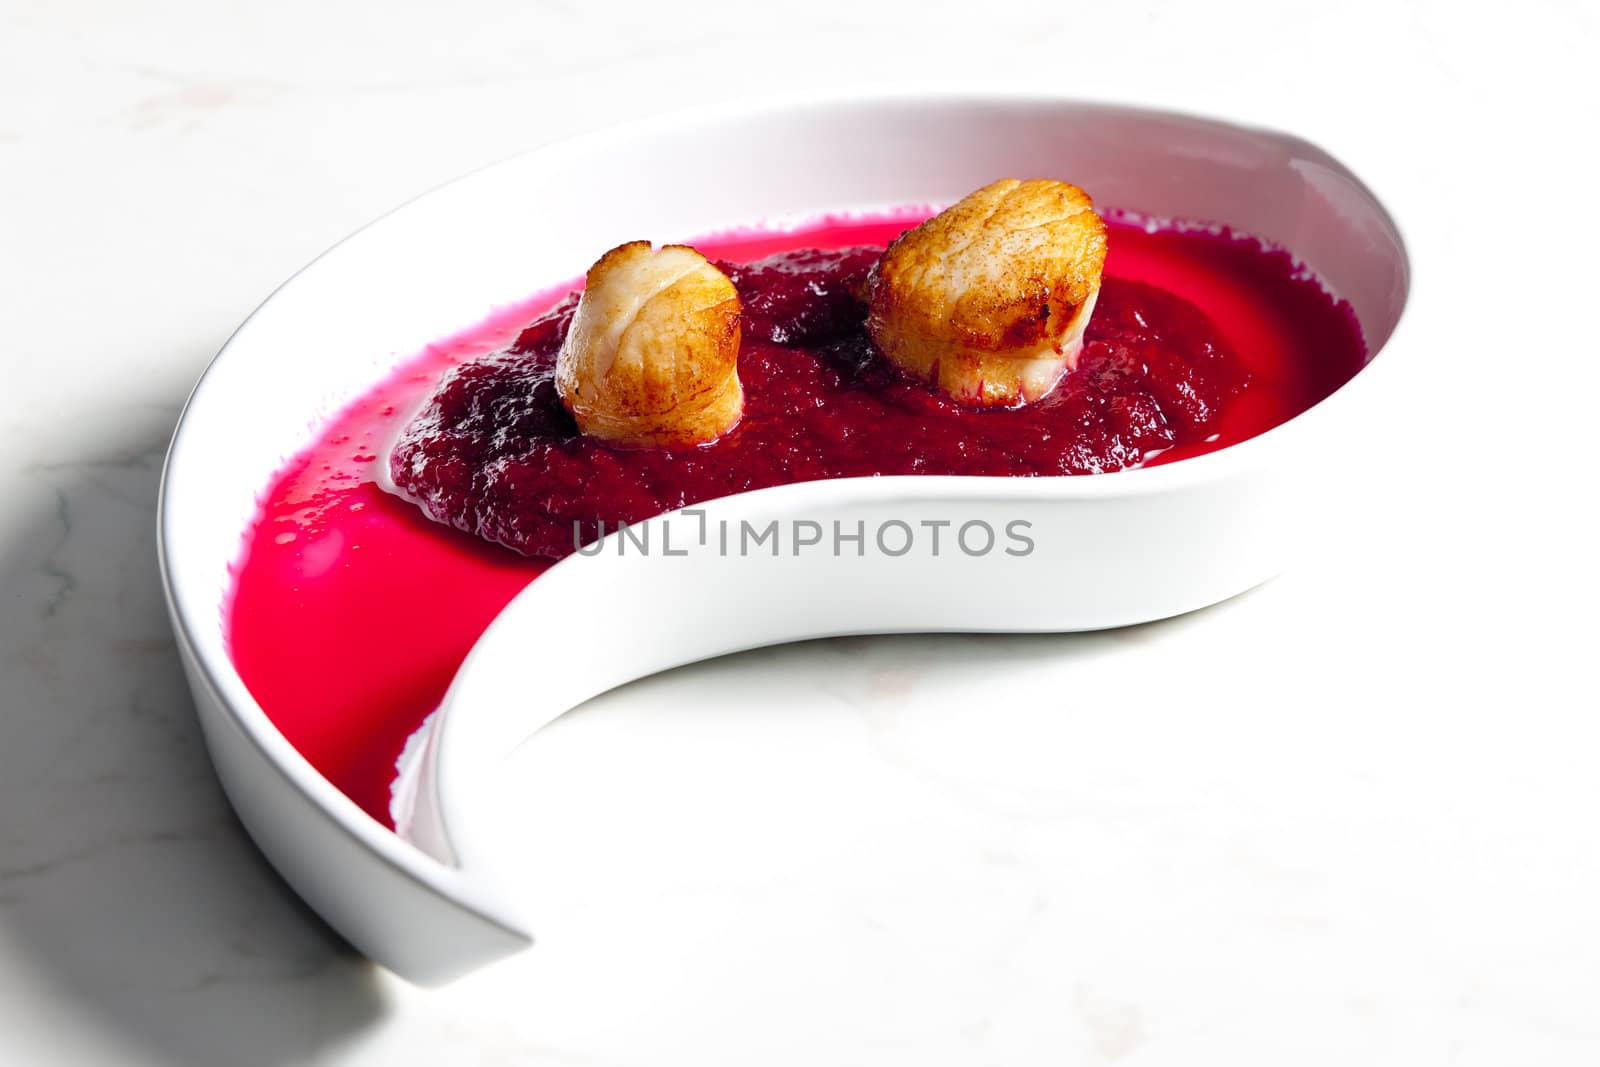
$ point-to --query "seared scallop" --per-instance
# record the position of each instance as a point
(651, 358)
(989, 299)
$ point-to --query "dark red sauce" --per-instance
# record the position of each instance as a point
(351, 610)
(494, 452)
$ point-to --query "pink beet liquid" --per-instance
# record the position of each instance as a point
(351, 610)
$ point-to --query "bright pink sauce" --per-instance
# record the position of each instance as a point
(351, 610)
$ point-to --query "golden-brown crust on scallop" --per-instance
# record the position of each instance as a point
(988, 299)
(652, 355)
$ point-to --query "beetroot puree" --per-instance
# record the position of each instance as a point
(495, 453)
(351, 610)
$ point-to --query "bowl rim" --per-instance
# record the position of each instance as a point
(222, 678)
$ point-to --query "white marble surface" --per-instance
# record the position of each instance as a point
(1347, 818)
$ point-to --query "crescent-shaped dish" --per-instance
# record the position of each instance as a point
(1112, 549)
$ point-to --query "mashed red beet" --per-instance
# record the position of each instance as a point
(494, 453)
(351, 610)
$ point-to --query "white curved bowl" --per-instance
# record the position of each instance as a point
(1110, 549)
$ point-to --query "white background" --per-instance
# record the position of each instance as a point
(1349, 818)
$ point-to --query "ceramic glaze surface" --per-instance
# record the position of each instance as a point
(1215, 524)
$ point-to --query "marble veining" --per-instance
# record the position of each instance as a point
(1346, 818)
